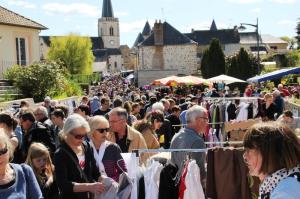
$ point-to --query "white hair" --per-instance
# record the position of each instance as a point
(158, 106)
(194, 112)
(43, 110)
(75, 121)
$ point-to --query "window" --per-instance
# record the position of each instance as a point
(116, 65)
(21, 51)
(111, 31)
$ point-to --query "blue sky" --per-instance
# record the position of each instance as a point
(276, 17)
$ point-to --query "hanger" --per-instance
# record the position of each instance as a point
(120, 166)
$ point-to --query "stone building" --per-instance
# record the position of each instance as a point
(165, 51)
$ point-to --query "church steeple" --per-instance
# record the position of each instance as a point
(147, 29)
(107, 10)
(213, 26)
(108, 26)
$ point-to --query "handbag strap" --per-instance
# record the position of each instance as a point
(77, 164)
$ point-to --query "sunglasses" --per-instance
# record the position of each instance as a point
(77, 136)
(102, 130)
(4, 150)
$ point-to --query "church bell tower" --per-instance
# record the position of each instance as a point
(108, 26)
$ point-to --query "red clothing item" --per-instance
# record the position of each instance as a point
(182, 186)
(285, 92)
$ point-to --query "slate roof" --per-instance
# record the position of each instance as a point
(107, 10)
(171, 36)
(8, 17)
(102, 54)
(213, 26)
(249, 38)
(138, 40)
(147, 29)
(226, 36)
(97, 42)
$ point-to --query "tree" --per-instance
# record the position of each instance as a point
(41, 79)
(298, 33)
(74, 51)
(213, 60)
(291, 41)
(243, 65)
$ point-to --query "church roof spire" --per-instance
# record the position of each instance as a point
(107, 10)
(147, 29)
(213, 26)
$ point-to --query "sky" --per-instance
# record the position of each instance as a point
(61, 17)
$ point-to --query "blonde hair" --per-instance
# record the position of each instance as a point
(95, 121)
(6, 141)
(37, 150)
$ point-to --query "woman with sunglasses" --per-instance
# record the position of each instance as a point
(272, 153)
(107, 154)
(16, 181)
(76, 172)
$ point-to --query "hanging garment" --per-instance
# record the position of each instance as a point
(111, 189)
(151, 178)
(125, 187)
(227, 175)
(243, 112)
(168, 188)
(182, 185)
(193, 185)
(231, 110)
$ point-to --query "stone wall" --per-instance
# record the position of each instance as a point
(181, 58)
(146, 77)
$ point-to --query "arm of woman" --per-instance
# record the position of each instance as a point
(96, 187)
(33, 188)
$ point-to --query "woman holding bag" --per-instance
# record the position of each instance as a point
(76, 172)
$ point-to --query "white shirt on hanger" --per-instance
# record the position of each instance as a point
(193, 185)
(151, 178)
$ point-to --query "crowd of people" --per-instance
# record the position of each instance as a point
(54, 152)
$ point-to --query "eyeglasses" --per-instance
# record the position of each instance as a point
(205, 118)
(115, 121)
(102, 130)
(4, 150)
(78, 136)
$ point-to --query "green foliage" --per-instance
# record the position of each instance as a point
(292, 58)
(243, 65)
(74, 51)
(290, 40)
(213, 60)
(40, 80)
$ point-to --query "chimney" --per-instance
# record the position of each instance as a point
(158, 33)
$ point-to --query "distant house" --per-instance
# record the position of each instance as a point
(267, 43)
(229, 39)
(19, 40)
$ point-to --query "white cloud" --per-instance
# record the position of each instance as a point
(284, 1)
(244, 1)
(287, 22)
(73, 8)
(21, 3)
(120, 14)
(134, 26)
(255, 10)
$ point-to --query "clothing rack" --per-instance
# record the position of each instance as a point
(138, 151)
(230, 98)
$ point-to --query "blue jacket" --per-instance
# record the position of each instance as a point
(288, 188)
(25, 186)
